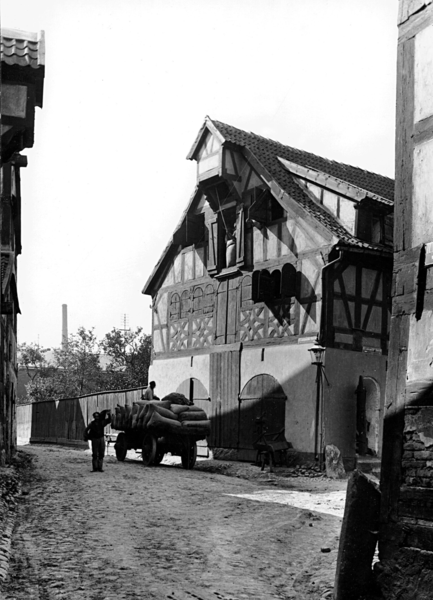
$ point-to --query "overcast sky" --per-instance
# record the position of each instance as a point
(127, 86)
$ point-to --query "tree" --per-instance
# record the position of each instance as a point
(129, 353)
(76, 368)
(32, 358)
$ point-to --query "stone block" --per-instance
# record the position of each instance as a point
(423, 454)
(358, 538)
(413, 446)
(428, 473)
(413, 464)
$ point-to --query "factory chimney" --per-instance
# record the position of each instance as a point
(64, 326)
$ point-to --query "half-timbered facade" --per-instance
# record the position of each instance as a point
(276, 247)
(22, 79)
(406, 517)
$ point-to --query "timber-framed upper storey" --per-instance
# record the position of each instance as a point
(275, 244)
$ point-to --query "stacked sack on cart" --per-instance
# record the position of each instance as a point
(173, 414)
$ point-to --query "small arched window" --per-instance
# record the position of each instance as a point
(276, 284)
(185, 304)
(174, 307)
(198, 302)
(209, 299)
(288, 281)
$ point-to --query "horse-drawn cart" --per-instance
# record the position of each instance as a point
(154, 446)
(159, 427)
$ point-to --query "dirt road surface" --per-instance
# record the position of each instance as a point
(167, 533)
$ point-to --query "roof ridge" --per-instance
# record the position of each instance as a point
(20, 34)
(278, 143)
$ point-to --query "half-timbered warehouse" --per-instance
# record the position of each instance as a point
(277, 247)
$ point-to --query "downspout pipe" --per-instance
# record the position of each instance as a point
(320, 413)
(330, 264)
(241, 346)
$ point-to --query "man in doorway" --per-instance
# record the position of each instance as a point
(149, 393)
(95, 433)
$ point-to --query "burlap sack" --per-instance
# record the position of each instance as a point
(165, 412)
(176, 398)
(177, 409)
(198, 429)
(159, 423)
(193, 416)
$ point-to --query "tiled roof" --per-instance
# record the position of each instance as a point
(267, 152)
(22, 48)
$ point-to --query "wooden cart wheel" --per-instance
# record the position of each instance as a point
(121, 447)
(189, 455)
(148, 449)
(158, 457)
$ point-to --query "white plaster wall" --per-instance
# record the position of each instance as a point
(423, 74)
(169, 373)
(291, 366)
(343, 369)
(422, 227)
(420, 347)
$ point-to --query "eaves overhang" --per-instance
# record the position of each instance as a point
(365, 248)
(340, 187)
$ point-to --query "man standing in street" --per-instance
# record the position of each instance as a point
(95, 433)
(149, 393)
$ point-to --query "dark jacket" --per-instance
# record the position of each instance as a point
(95, 429)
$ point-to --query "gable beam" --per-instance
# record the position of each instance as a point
(342, 188)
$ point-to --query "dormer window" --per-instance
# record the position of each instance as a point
(343, 208)
(377, 229)
(370, 225)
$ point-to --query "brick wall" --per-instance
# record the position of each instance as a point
(417, 463)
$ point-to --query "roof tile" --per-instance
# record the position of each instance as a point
(22, 48)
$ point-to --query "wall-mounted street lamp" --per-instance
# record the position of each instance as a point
(317, 355)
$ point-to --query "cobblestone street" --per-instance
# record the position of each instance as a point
(162, 533)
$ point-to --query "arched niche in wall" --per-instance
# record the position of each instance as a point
(193, 389)
(262, 405)
(372, 414)
(196, 392)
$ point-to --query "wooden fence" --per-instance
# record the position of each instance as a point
(64, 421)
